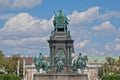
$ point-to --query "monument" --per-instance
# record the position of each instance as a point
(62, 65)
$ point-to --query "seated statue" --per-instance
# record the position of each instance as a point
(60, 22)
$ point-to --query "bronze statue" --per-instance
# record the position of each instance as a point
(60, 61)
(79, 62)
(60, 22)
(40, 63)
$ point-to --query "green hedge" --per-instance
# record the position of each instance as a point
(9, 77)
(111, 77)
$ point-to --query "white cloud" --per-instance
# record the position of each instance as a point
(25, 3)
(117, 44)
(25, 34)
(110, 15)
(109, 47)
(4, 4)
(105, 26)
(117, 47)
(18, 4)
(96, 52)
(6, 16)
(23, 31)
(117, 40)
(25, 23)
(84, 17)
(82, 44)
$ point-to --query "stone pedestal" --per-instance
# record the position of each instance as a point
(66, 70)
(60, 77)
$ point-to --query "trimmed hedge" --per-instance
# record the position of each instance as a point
(9, 77)
(111, 77)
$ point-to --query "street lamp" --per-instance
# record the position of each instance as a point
(103, 69)
(23, 68)
(18, 64)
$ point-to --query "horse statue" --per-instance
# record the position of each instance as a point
(79, 62)
(40, 63)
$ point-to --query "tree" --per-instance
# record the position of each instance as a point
(2, 62)
(12, 63)
(100, 72)
(110, 60)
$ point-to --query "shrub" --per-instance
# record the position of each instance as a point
(111, 77)
(107, 77)
(9, 77)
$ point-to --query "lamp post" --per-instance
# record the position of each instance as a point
(103, 69)
(23, 68)
(18, 62)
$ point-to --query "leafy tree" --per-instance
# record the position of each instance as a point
(12, 63)
(111, 69)
(100, 72)
(110, 60)
(2, 62)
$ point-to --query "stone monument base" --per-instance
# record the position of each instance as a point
(60, 77)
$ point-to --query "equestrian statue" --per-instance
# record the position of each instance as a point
(40, 63)
(79, 62)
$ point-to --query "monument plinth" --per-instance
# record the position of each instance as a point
(60, 77)
(60, 40)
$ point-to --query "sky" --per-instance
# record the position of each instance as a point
(26, 25)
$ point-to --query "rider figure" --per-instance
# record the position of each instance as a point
(40, 57)
(79, 56)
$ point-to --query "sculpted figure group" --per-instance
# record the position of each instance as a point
(60, 61)
(40, 63)
(79, 62)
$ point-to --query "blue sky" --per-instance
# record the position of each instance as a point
(25, 26)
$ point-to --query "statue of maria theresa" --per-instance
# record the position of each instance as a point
(60, 22)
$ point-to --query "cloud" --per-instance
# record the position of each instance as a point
(25, 23)
(25, 3)
(105, 26)
(6, 16)
(114, 46)
(96, 52)
(18, 4)
(109, 47)
(117, 47)
(117, 40)
(82, 44)
(84, 17)
(109, 15)
(4, 4)
(25, 32)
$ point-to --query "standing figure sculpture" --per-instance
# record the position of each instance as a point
(40, 63)
(60, 61)
(79, 62)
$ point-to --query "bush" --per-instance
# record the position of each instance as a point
(116, 77)
(107, 77)
(1, 72)
(111, 77)
(9, 77)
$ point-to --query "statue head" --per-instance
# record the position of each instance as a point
(40, 54)
(60, 13)
(80, 54)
